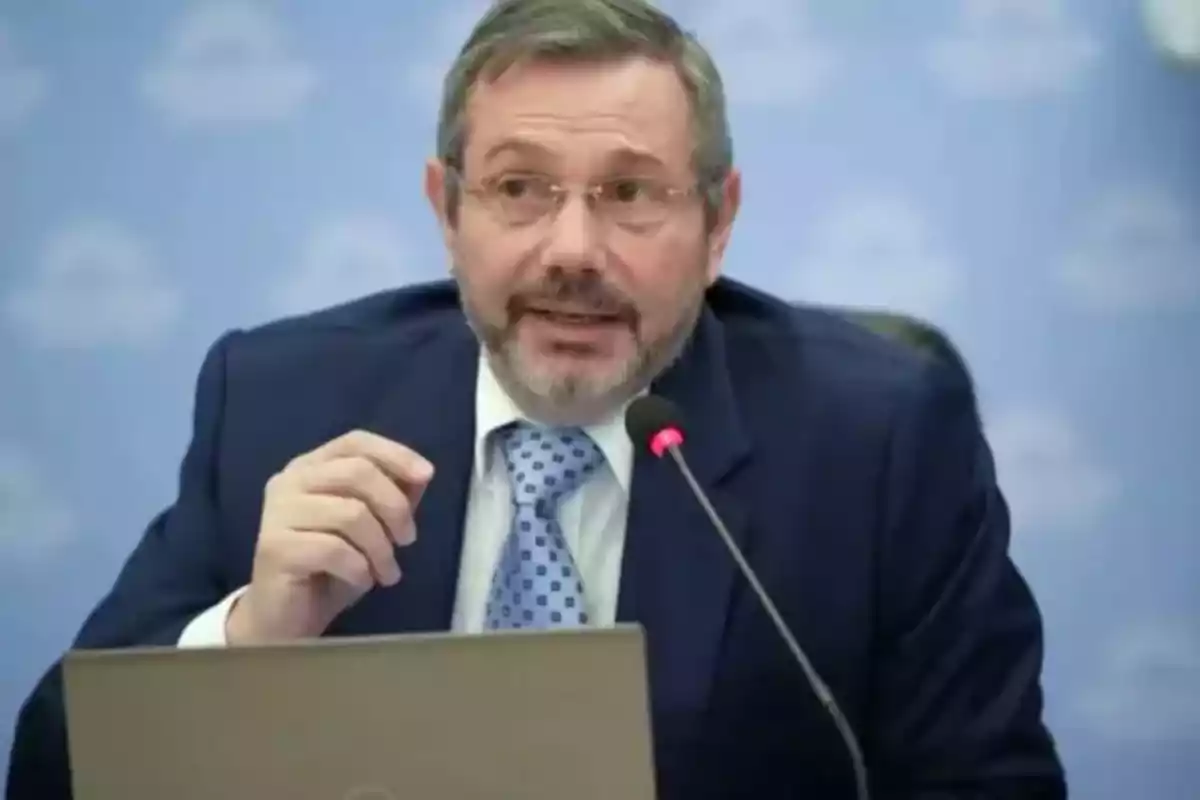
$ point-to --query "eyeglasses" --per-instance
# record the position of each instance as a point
(520, 199)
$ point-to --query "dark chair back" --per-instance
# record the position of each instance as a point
(921, 336)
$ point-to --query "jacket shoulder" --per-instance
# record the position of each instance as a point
(395, 321)
(327, 367)
(820, 348)
(413, 307)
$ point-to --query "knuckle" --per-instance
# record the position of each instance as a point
(361, 470)
(294, 464)
(361, 575)
(354, 512)
(358, 438)
(362, 526)
(356, 568)
(275, 483)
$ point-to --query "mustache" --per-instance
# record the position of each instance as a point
(585, 289)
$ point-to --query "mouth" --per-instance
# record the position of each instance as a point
(577, 318)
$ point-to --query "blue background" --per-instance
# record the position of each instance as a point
(1024, 173)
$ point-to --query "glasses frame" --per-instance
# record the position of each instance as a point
(485, 192)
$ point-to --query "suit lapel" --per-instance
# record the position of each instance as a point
(677, 575)
(429, 406)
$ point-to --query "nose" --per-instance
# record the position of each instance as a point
(572, 238)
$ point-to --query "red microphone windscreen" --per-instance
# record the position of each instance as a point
(654, 423)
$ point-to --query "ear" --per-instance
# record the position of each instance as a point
(718, 237)
(435, 193)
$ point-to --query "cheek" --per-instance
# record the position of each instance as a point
(668, 275)
(489, 264)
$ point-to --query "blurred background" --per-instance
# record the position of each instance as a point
(1025, 174)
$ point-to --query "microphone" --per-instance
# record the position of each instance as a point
(653, 423)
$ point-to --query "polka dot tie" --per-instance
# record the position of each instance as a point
(536, 583)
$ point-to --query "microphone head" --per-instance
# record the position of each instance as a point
(654, 423)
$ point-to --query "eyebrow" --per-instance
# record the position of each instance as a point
(518, 147)
(622, 158)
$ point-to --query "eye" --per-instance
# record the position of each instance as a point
(512, 187)
(627, 190)
(520, 187)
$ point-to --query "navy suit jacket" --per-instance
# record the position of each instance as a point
(851, 470)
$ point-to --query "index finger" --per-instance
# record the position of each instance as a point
(398, 462)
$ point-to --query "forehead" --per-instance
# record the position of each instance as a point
(581, 113)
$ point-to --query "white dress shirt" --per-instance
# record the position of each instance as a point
(592, 519)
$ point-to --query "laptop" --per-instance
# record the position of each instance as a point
(528, 715)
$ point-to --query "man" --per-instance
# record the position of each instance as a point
(358, 471)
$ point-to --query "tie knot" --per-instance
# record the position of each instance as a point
(547, 464)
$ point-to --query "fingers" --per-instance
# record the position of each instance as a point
(351, 521)
(318, 553)
(361, 478)
(398, 462)
(341, 510)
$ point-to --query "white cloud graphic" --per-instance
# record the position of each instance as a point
(1050, 479)
(1138, 250)
(1148, 691)
(764, 49)
(94, 287)
(33, 523)
(343, 260)
(421, 79)
(1174, 28)
(877, 252)
(1012, 48)
(22, 87)
(226, 62)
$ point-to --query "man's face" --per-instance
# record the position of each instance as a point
(580, 299)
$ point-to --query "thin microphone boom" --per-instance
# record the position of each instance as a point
(822, 691)
(651, 420)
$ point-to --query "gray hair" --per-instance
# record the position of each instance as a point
(519, 30)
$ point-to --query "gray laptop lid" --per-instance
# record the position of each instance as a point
(531, 715)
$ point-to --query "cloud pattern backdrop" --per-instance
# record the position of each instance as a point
(1023, 173)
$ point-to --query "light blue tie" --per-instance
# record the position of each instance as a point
(536, 583)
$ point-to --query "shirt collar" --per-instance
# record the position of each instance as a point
(494, 409)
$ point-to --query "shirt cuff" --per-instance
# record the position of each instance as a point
(208, 629)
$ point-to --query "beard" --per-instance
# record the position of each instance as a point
(546, 392)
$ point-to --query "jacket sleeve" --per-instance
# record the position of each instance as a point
(958, 702)
(172, 575)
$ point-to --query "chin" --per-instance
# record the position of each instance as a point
(565, 368)
(560, 394)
